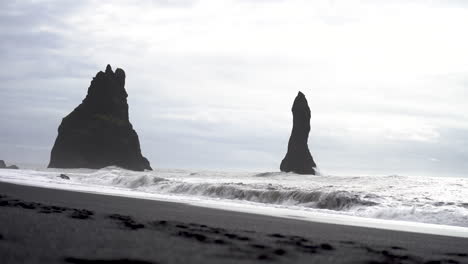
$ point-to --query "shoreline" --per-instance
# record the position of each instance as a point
(311, 216)
(59, 226)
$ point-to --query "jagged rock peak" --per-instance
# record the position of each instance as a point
(119, 73)
(120, 76)
(109, 69)
(298, 158)
(98, 132)
(108, 89)
(300, 103)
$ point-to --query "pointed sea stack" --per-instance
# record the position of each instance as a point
(298, 158)
(98, 132)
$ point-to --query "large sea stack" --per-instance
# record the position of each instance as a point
(298, 158)
(98, 132)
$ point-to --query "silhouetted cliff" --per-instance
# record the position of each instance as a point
(98, 132)
(298, 158)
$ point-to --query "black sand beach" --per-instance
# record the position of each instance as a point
(39, 225)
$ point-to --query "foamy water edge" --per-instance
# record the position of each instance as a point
(356, 201)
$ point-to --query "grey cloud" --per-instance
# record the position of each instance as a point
(28, 15)
(21, 46)
(172, 3)
(30, 51)
(42, 84)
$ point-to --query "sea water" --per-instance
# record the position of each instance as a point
(421, 199)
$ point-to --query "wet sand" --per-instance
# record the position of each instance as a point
(40, 225)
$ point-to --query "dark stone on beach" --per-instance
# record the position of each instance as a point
(127, 221)
(104, 261)
(298, 158)
(81, 214)
(13, 167)
(63, 176)
(2, 164)
(280, 252)
(98, 132)
(326, 247)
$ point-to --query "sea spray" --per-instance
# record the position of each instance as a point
(437, 200)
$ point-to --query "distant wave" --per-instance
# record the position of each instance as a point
(138, 182)
(268, 174)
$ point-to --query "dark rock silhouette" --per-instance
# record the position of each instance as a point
(63, 176)
(4, 166)
(298, 158)
(98, 132)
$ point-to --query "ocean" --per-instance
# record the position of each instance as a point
(416, 199)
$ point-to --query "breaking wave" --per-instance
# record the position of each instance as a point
(436, 200)
(336, 200)
(258, 193)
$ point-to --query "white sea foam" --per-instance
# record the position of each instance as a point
(434, 200)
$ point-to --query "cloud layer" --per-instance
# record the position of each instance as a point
(211, 83)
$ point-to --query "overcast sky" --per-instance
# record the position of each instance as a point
(211, 83)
